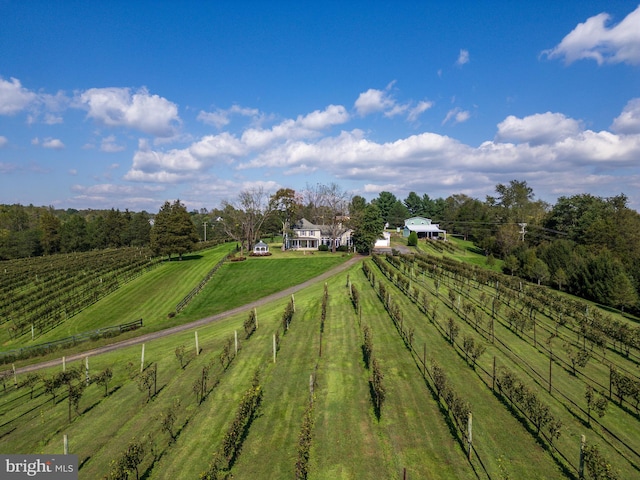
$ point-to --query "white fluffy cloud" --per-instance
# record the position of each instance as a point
(53, 143)
(463, 57)
(593, 39)
(14, 97)
(372, 101)
(3, 141)
(629, 120)
(540, 128)
(119, 107)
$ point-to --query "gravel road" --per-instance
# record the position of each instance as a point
(187, 326)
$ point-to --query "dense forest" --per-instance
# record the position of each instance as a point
(586, 245)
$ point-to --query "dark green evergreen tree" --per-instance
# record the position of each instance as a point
(173, 231)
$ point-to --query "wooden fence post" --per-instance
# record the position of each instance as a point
(493, 378)
(470, 434)
(583, 441)
(424, 360)
(550, 363)
(235, 335)
(64, 364)
(15, 378)
(65, 444)
(197, 344)
(142, 359)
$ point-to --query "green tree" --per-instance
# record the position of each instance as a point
(139, 229)
(397, 214)
(368, 229)
(173, 231)
(512, 264)
(50, 227)
(73, 235)
(414, 204)
(385, 201)
(540, 271)
(412, 241)
(285, 204)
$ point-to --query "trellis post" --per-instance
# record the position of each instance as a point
(470, 434)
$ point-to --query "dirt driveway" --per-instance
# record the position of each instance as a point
(187, 326)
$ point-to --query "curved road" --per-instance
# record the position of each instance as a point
(187, 326)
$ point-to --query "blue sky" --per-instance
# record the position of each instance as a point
(128, 104)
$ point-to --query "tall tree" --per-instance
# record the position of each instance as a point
(368, 229)
(335, 201)
(385, 201)
(414, 204)
(285, 204)
(397, 214)
(243, 220)
(73, 234)
(50, 227)
(173, 231)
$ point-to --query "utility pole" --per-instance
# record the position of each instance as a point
(523, 231)
(205, 230)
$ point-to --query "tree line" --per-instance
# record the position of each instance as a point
(584, 244)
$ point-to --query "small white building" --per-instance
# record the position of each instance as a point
(384, 242)
(424, 228)
(260, 248)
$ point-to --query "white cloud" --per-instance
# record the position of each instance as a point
(109, 145)
(463, 57)
(13, 97)
(372, 101)
(3, 141)
(221, 118)
(52, 119)
(540, 128)
(53, 143)
(629, 120)
(419, 109)
(307, 126)
(457, 115)
(119, 107)
(594, 40)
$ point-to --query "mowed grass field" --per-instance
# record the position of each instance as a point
(153, 296)
(413, 434)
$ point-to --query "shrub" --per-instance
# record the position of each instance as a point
(323, 248)
(412, 241)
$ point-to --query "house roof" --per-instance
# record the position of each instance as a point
(325, 230)
(417, 221)
(424, 228)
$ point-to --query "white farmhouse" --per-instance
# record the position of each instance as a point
(308, 236)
